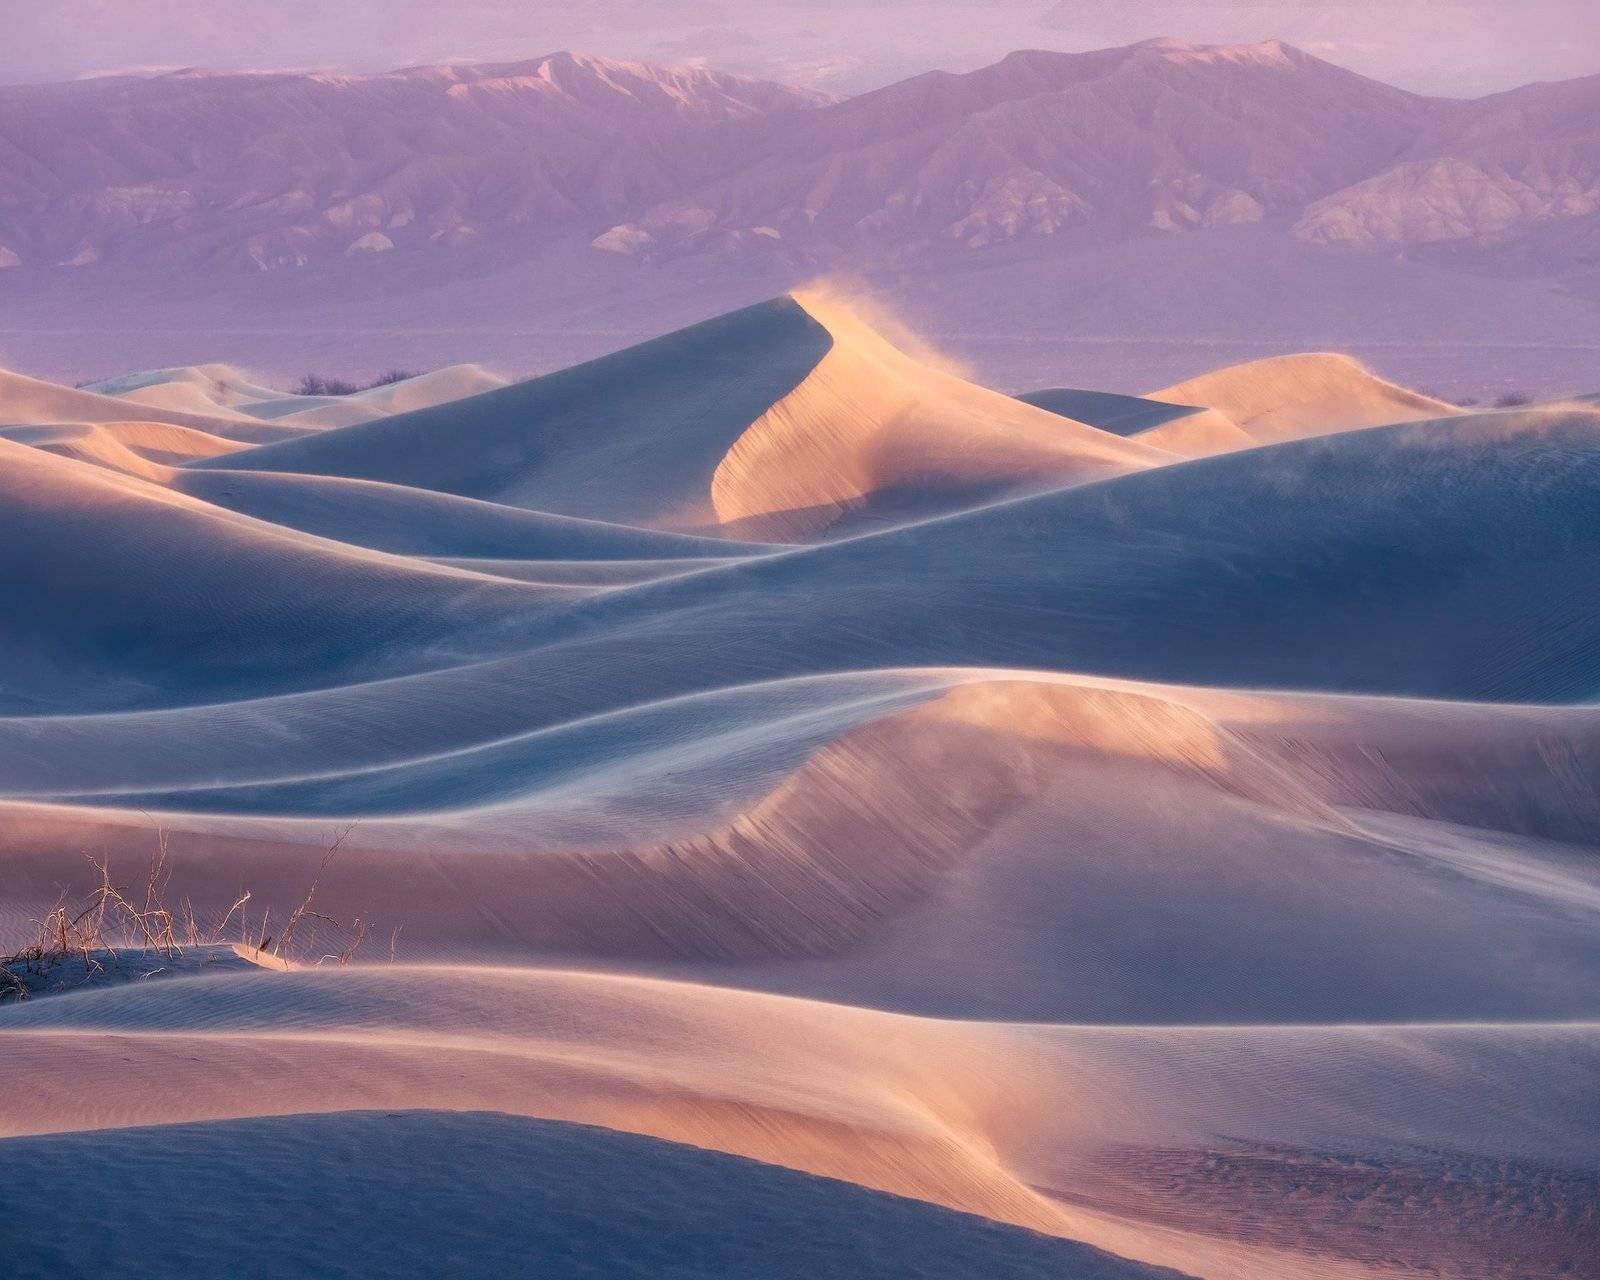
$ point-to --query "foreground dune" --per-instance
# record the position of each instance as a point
(767, 742)
(1159, 1144)
(624, 1204)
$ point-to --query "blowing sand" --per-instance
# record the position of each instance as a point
(808, 814)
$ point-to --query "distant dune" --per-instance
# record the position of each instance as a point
(820, 815)
(1292, 396)
(31, 402)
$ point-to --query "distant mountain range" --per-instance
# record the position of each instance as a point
(275, 171)
(554, 168)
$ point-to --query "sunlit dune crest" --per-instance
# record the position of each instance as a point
(1162, 827)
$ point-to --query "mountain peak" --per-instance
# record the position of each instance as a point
(1267, 53)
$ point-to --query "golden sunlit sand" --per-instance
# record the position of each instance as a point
(1171, 842)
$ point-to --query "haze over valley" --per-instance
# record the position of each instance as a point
(612, 669)
(1122, 217)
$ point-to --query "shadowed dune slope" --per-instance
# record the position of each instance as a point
(1441, 559)
(633, 436)
(1120, 415)
(625, 1205)
(1182, 429)
(870, 424)
(1444, 559)
(424, 522)
(1253, 1152)
(123, 590)
(774, 422)
(1188, 857)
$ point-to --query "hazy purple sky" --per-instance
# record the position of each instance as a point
(1438, 46)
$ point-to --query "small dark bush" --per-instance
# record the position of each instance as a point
(392, 377)
(314, 384)
(1513, 400)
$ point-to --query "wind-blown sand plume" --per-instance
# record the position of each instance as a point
(869, 424)
(836, 418)
(1290, 397)
(633, 436)
(1188, 858)
(30, 401)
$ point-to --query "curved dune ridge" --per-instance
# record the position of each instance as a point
(623, 1203)
(1060, 1129)
(229, 391)
(870, 424)
(148, 450)
(765, 741)
(26, 401)
(1288, 397)
(1184, 429)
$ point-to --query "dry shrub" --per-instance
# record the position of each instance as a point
(114, 917)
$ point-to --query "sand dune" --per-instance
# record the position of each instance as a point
(223, 385)
(626, 1205)
(148, 450)
(1289, 397)
(773, 423)
(767, 742)
(181, 599)
(1186, 430)
(221, 389)
(1161, 1131)
(1361, 859)
(869, 423)
(634, 436)
(29, 401)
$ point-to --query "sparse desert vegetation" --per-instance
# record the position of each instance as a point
(316, 384)
(131, 930)
(1132, 778)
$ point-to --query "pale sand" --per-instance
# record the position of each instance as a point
(29, 401)
(1193, 859)
(1289, 397)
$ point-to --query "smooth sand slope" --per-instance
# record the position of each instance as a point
(1288, 397)
(623, 1204)
(765, 745)
(1233, 1150)
(224, 389)
(774, 422)
(28, 401)
(148, 450)
(1184, 429)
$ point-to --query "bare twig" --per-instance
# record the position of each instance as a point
(112, 916)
